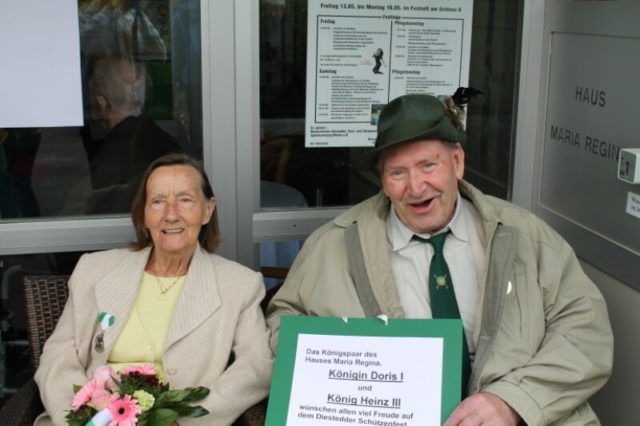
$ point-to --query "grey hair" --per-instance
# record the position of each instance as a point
(122, 82)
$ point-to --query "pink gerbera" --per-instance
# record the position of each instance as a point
(124, 411)
(144, 369)
(84, 395)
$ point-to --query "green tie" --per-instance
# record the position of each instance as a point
(443, 297)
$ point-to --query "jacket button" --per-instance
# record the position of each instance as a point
(172, 371)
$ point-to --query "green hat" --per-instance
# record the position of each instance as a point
(412, 118)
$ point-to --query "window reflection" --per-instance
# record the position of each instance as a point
(277, 256)
(131, 140)
(326, 176)
(141, 72)
(17, 155)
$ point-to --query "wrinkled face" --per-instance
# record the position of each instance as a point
(421, 180)
(175, 209)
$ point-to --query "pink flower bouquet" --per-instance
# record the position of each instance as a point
(134, 396)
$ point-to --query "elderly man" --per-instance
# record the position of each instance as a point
(117, 89)
(537, 332)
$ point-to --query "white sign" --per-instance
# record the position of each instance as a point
(40, 83)
(362, 55)
(364, 380)
(633, 204)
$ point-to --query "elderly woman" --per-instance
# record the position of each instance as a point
(174, 303)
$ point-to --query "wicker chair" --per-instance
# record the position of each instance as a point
(45, 297)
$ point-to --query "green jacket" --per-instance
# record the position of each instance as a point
(545, 347)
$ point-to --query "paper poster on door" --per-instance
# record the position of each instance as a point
(361, 56)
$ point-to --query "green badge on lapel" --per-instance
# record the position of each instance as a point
(106, 320)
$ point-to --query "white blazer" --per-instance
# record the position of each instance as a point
(218, 313)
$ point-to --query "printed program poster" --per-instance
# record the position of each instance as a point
(362, 55)
(365, 372)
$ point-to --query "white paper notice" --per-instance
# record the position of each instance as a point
(362, 55)
(633, 204)
(40, 84)
(363, 380)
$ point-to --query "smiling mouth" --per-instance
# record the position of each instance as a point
(422, 204)
(172, 231)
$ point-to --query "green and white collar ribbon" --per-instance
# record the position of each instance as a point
(106, 320)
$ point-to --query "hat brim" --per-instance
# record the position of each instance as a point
(411, 131)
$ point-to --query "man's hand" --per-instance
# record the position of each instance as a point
(483, 409)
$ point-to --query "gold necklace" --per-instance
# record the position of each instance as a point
(164, 289)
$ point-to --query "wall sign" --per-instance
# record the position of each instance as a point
(591, 115)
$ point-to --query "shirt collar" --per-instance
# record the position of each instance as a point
(400, 236)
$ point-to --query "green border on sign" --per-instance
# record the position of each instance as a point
(450, 330)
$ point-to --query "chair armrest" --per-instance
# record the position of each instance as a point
(254, 416)
(23, 407)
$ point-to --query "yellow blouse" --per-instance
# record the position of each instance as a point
(142, 338)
